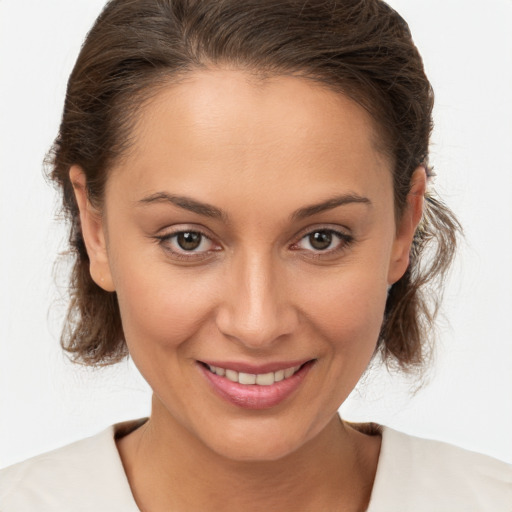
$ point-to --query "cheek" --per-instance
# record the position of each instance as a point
(347, 309)
(161, 306)
(344, 316)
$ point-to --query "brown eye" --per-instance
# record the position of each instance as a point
(320, 240)
(188, 245)
(189, 240)
(324, 242)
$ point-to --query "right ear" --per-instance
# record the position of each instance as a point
(93, 232)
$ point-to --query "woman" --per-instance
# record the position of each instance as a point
(245, 183)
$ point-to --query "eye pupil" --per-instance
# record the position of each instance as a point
(189, 240)
(320, 240)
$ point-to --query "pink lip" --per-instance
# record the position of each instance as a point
(254, 396)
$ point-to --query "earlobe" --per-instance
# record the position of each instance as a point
(93, 233)
(407, 225)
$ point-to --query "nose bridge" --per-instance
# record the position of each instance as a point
(257, 310)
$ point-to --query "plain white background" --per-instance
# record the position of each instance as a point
(46, 402)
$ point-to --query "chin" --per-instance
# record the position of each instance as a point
(245, 449)
(256, 440)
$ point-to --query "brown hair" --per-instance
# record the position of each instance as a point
(361, 48)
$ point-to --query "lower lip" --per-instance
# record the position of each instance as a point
(255, 396)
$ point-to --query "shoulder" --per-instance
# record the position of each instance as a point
(84, 476)
(421, 474)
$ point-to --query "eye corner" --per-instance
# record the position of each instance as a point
(321, 246)
(200, 247)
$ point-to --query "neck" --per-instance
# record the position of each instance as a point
(168, 468)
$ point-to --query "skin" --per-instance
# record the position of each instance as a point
(255, 290)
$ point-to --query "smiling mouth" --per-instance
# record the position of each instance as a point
(250, 389)
(250, 379)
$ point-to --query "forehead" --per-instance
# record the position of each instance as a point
(224, 125)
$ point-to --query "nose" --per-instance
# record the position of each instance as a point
(257, 308)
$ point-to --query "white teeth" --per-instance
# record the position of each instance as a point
(289, 372)
(265, 379)
(261, 379)
(246, 378)
(232, 375)
(279, 376)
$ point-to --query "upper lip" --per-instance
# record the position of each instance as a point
(244, 367)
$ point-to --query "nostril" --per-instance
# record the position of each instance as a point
(256, 327)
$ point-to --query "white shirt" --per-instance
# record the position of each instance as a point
(413, 475)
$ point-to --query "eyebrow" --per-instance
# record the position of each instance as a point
(209, 210)
(334, 202)
(186, 203)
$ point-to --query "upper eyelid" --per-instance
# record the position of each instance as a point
(345, 240)
(170, 231)
(163, 241)
(168, 236)
(336, 229)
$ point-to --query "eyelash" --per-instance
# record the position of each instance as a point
(344, 241)
(165, 240)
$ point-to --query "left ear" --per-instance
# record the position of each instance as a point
(407, 225)
(91, 224)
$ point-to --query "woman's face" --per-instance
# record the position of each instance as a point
(249, 235)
